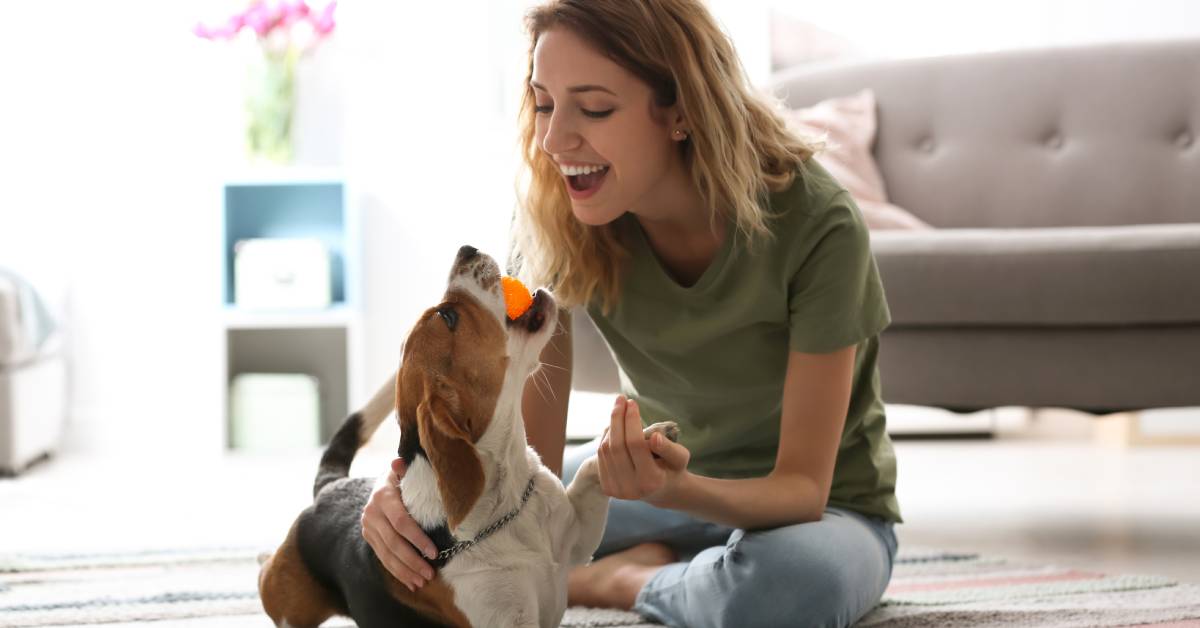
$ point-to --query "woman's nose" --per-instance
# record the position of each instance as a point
(560, 137)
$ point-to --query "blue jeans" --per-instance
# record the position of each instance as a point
(824, 573)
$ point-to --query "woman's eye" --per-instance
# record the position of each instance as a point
(545, 109)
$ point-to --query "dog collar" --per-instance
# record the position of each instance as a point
(461, 546)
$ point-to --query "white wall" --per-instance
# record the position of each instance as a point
(117, 127)
(108, 158)
(917, 28)
(430, 153)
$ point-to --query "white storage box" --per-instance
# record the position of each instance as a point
(274, 412)
(32, 410)
(33, 389)
(281, 273)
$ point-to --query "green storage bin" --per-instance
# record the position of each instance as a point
(274, 412)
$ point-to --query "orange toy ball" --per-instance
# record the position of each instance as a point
(516, 296)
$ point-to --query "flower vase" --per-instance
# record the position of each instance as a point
(270, 103)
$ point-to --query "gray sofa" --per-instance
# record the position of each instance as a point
(1065, 188)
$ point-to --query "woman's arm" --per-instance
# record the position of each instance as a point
(547, 395)
(816, 398)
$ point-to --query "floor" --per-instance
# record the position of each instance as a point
(1040, 488)
(1069, 502)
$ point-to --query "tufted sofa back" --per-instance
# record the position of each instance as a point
(1088, 136)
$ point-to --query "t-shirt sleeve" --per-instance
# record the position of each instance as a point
(835, 296)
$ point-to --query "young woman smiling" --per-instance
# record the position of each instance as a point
(732, 279)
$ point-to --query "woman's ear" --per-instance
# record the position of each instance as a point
(678, 126)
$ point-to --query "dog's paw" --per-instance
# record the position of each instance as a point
(669, 429)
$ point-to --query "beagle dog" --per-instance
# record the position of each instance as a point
(507, 530)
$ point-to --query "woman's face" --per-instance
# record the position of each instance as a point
(599, 124)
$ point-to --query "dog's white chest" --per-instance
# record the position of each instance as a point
(518, 570)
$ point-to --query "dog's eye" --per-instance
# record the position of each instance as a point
(450, 316)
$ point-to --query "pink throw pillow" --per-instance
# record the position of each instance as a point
(848, 126)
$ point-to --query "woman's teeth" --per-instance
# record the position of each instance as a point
(574, 171)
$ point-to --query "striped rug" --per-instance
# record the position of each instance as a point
(216, 587)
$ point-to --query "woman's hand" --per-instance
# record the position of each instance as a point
(394, 535)
(635, 467)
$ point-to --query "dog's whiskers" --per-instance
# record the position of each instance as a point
(541, 377)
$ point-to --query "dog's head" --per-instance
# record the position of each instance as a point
(462, 374)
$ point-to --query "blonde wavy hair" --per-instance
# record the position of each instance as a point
(739, 146)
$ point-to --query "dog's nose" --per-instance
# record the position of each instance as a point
(467, 252)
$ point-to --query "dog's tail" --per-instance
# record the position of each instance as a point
(353, 434)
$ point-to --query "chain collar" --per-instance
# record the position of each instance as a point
(461, 546)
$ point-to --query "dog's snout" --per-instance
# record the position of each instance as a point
(467, 252)
(476, 267)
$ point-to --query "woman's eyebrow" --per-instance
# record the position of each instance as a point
(576, 89)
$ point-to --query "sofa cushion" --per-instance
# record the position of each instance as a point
(847, 126)
(1126, 275)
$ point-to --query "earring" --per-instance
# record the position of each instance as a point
(679, 134)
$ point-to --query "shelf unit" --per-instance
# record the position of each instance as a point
(325, 343)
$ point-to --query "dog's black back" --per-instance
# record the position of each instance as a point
(333, 549)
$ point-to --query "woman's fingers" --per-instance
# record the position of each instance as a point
(381, 535)
(674, 455)
(403, 549)
(404, 525)
(394, 535)
(393, 562)
(635, 441)
(616, 434)
(620, 466)
(602, 458)
(628, 469)
(619, 440)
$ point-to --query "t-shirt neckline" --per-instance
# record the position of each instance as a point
(715, 267)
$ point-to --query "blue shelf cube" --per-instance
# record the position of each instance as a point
(296, 209)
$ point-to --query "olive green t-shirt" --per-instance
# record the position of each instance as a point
(713, 356)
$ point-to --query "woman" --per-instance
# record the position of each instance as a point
(732, 278)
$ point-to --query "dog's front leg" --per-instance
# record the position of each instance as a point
(590, 502)
(591, 510)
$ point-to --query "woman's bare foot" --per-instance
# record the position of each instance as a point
(614, 581)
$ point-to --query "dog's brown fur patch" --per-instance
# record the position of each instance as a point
(434, 600)
(289, 592)
(449, 384)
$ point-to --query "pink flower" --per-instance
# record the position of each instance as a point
(295, 11)
(258, 17)
(324, 23)
(273, 17)
(214, 34)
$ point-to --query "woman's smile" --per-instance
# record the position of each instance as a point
(583, 182)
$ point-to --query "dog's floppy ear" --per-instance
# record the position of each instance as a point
(451, 452)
